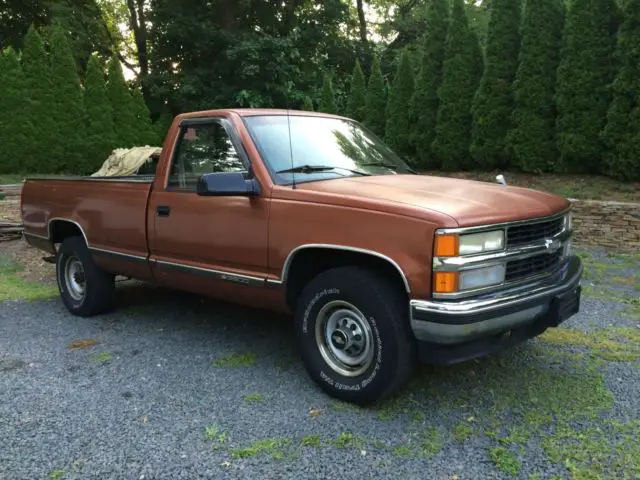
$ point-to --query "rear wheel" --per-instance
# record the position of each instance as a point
(354, 334)
(85, 289)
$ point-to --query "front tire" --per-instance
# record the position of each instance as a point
(354, 334)
(86, 290)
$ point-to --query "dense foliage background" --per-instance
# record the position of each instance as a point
(531, 85)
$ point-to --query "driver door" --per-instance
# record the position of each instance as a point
(215, 245)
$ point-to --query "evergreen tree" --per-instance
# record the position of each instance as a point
(41, 153)
(493, 104)
(584, 77)
(398, 126)
(14, 135)
(376, 100)
(146, 135)
(462, 70)
(532, 140)
(307, 105)
(100, 134)
(328, 97)
(68, 106)
(356, 104)
(425, 101)
(125, 122)
(161, 126)
(622, 132)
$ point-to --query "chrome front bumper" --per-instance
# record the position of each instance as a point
(549, 302)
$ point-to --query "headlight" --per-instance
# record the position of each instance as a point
(481, 242)
(451, 245)
(482, 277)
(568, 221)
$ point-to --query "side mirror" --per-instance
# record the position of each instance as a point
(226, 184)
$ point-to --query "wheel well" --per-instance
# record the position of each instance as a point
(59, 230)
(310, 262)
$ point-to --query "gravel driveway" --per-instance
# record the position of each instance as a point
(171, 386)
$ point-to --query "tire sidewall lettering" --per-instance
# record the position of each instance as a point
(313, 302)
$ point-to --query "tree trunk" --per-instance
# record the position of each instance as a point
(363, 23)
(138, 23)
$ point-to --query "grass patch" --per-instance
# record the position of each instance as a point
(348, 440)
(431, 443)
(235, 360)
(610, 344)
(311, 441)
(340, 406)
(214, 435)
(463, 431)
(505, 461)
(102, 358)
(11, 179)
(402, 451)
(275, 446)
(611, 450)
(12, 287)
(56, 474)
(254, 398)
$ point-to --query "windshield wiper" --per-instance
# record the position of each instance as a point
(319, 168)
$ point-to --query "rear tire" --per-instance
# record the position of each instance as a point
(354, 334)
(86, 290)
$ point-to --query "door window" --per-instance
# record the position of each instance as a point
(204, 148)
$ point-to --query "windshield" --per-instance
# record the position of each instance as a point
(323, 148)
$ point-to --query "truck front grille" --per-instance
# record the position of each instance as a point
(532, 232)
(529, 267)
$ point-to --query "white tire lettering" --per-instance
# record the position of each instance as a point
(314, 300)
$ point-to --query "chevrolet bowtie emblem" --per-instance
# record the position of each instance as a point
(552, 245)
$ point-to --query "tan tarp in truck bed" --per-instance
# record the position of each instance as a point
(126, 161)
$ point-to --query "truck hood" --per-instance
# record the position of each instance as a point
(468, 202)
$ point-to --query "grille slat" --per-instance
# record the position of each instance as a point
(532, 232)
(528, 267)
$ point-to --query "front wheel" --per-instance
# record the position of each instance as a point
(354, 334)
(85, 289)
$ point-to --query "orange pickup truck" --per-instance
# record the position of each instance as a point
(312, 214)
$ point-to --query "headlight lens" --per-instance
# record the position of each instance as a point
(482, 277)
(481, 242)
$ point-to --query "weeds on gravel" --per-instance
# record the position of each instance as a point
(275, 446)
(213, 434)
(463, 431)
(102, 358)
(254, 398)
(610, 450)
(611, 344)
(235, 360)
(505, 461)
(348, 439)
(56, 474)
(311, 441)
(12, 287)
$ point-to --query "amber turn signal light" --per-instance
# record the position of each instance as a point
(447, 245)
(445, 282)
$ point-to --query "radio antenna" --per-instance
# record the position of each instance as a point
(293, 174)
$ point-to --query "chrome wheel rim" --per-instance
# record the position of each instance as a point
(74, 278)
(344, 338)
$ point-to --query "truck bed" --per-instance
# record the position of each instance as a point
(109, 211)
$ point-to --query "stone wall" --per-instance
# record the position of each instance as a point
(613, 225)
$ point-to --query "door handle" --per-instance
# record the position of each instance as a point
(163, 210)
